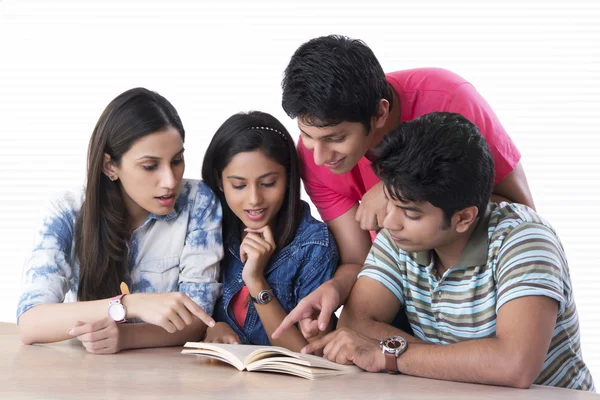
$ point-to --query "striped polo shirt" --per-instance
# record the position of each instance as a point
(512, 253)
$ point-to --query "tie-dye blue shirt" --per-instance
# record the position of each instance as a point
(180, 251)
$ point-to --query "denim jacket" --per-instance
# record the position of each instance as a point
(293, 272)
(179, 251)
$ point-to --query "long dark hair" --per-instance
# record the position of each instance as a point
(240, 134)
(101, 230)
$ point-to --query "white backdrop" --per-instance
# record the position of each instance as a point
(537, 64)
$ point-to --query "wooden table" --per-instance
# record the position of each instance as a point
(66, 371)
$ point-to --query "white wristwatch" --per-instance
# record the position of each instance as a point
(116, 310)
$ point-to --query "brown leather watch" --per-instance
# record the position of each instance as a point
(391, 348)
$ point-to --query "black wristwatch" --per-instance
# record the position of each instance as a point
(263, 297)
(392, 348)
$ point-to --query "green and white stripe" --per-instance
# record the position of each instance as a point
(512, 253)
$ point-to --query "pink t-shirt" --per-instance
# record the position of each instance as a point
(420, 91)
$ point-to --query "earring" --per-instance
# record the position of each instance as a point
(112, 177)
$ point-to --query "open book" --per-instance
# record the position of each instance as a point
(269, 359)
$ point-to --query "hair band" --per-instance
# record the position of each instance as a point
(266, 128)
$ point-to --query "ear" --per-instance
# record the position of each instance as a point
(219, 182)
(108, 168)
(383, 111)
(465, 218)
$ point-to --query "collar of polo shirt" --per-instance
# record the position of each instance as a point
(476, 251)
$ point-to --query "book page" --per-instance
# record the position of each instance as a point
(294, 358)
(309, 369)
(270, 358)
(234, 354)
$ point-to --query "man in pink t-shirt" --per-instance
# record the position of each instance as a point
(345, 105)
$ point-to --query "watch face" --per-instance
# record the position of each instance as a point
(264, 296)
(394, 344)
(116, 312)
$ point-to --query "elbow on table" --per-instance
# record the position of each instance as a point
(521, 373)
(25, 334)
(520, 382)
(26, 330)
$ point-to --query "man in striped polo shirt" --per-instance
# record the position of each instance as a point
(486, 286)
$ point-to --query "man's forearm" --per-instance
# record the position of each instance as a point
(374, 329)
(380, 330)
(485, 361)
(344, 279)
(142, 335)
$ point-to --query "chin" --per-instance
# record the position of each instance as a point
(347, 165)
(162, 211)
(248, 223)
(255, 224)
(342, 169)
(410, 248)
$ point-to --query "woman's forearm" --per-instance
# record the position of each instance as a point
(271, 315)
(47, 323)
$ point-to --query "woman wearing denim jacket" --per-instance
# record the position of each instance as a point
(276, 253)
(136, 221)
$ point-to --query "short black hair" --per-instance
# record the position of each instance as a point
(251, 131)
(440, 158)
(332, 79)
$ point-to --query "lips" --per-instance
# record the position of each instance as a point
(335, 163)
(398, 239)
(255, 214)
(166, 200)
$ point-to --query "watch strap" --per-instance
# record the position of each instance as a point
(391, 363)
(392, 347)
(117, 300)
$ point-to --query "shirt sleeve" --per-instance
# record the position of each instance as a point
(383, 265)
(329, 203)
(467, 101)
(531, 262)
(320, 265)
(202, 251)
(48, 271)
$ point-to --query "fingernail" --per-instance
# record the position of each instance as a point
(303, 350)
(70, 332)
(211, 324)
(323, 326)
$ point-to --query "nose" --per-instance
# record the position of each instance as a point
(256, 197)
(319, 154)
(168, 179)
(393, 220)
